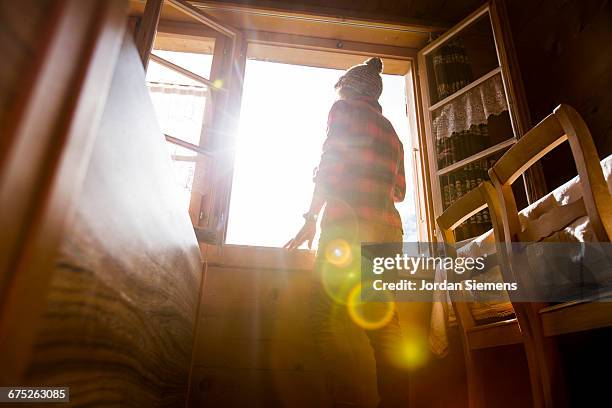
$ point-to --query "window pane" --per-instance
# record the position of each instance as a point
(461, 59)
(179, 104)
(179, 101)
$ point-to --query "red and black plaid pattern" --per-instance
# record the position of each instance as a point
(362, 165)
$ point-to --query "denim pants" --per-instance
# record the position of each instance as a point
(337, 265)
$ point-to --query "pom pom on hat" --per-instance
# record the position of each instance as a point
(375, 63)
(364, 78)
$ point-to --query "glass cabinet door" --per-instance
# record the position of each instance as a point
(469, 117)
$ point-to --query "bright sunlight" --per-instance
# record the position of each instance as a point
(282, 129)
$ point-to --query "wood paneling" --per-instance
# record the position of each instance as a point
(564, 50)
(256, 344)
(410, 11)
(312, 23)
(119, 322)
(321, 59)
(256, 347)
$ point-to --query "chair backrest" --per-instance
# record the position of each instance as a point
(475, 200)
(564, 124)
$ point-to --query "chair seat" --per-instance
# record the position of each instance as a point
(495, 334)
(576, 316)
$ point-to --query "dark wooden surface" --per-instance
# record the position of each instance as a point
(439, 11)
(119, 323)
(565, 54)
(147, 29)
(20, 24)
(58, 95)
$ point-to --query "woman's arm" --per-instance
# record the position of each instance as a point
(399, 189)
(327, 174)
(309, 229)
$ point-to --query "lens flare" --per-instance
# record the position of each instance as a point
(217, 83)
(338, 281)
(413, 352)
(370, 310)
(339, 253)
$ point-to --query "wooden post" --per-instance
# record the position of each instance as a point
(233, 105)
(147, 30)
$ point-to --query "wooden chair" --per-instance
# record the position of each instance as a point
(476, 336)
(541, 321)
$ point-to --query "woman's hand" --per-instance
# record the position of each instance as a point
(306, 233)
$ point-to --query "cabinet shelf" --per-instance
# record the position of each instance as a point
(480, 155)
(466, 88)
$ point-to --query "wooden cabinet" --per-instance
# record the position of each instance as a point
(473, 107)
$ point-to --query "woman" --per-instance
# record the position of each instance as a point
(359, 178)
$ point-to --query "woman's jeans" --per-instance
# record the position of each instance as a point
(338, 264)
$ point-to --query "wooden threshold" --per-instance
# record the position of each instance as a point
(466, 88)
(480, 155)
(254, 257)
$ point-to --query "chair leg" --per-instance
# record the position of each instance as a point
(535, 376)
(543, 358)
(475, 385)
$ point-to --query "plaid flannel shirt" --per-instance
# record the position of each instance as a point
(362, 165)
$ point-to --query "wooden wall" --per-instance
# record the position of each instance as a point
(256, 345)
(255, 349)
(119, 322)
(565, 55)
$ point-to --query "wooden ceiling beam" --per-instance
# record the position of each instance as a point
(186, 29)
(324, 14)
(294, 41)
(339, 17)
(204, 18)
(328, 44)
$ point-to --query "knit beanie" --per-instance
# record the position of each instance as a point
(364, 78)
